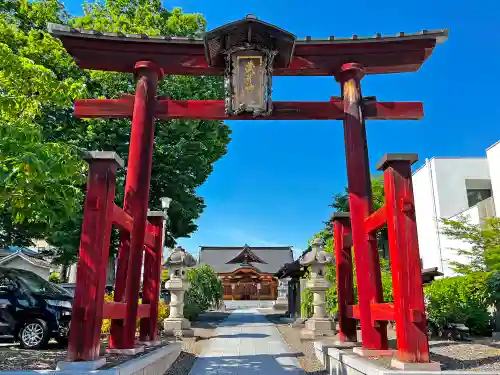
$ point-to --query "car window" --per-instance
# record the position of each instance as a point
(7, 283)
(36, 284)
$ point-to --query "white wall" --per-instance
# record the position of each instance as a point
(493, 156)
(441, 192)
(450, 176)
(428, 239)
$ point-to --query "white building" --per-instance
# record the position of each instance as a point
(447, 187)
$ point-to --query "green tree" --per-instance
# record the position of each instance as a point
(37, 174)
(43, 177)
(482, 252)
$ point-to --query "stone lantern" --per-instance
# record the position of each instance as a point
(282, 300)
(177, 263)
(317, 259)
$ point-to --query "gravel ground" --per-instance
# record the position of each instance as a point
(12, 357)
(478, 355)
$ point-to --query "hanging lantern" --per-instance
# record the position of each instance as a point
(248, 50)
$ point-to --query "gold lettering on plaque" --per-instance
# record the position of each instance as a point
(249, 74)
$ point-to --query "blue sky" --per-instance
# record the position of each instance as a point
(275, 183)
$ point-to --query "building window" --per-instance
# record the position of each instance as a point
(474, 196)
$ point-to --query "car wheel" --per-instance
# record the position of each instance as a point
(34, 334)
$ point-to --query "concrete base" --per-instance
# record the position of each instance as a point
(299, 322)
(341, 344)
(431, 366)
(171, 324)
(81, 366)
(177, 327)
(496, 336)
(149, 343)
(318, 327)
(131, 351)
(281, 304)
(344, 362)
(362, 352)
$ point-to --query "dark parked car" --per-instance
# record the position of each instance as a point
(32, 309)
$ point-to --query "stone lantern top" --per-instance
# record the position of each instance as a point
(317, 255)
(179, 257)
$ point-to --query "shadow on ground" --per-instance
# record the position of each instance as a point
(276, 364)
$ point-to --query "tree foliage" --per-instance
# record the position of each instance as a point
(42, 175)
(482, 252)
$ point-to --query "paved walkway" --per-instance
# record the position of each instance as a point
(246, 343)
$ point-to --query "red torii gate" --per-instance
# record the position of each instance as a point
(149, 58)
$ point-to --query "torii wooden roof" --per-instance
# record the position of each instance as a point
(312, 57)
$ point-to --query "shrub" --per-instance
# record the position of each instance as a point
(163, 312)
(205, 291)
(460, 299)
(55, 277)
(306, 304)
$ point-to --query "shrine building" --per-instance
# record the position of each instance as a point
(247, 272)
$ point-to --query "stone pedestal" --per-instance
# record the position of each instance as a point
(281, 302)
(176, 324)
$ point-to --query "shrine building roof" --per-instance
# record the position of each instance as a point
(225, 259)
(182, 55)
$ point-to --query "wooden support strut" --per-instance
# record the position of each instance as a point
(85, 333)
(152, 278)
(344, 274)
(411, 325)
(215, 110)
(376, 220)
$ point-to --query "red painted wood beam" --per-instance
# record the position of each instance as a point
(214, 110)
(117, 310)
(353, 311)
(379, 311)
(376, 220)
(125, 222)
(383, 311)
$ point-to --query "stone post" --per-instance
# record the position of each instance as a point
(317, 259)
(177, 263)
(281, 302)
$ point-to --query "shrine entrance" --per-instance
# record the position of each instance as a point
(248, 53)
(248, 283)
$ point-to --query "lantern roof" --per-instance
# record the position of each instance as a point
(179, 257)
(317, 255)
(249, 31)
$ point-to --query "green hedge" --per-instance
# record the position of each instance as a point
(461, 299)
